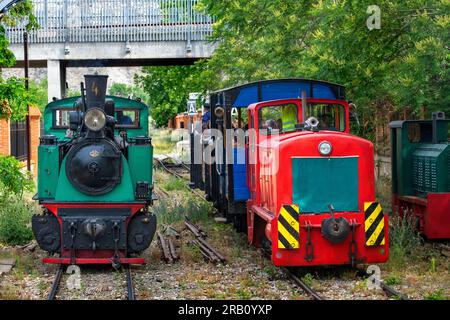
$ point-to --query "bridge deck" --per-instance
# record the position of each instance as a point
(78, 21)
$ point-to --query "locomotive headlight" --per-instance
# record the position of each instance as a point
(95, 119)
(325, 148)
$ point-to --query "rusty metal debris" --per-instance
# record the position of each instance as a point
(208, 252)
(197, 231)
(168, 248)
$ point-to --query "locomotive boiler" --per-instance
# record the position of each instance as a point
(95, 179)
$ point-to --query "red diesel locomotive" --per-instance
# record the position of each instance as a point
(306, 191)
(312, 187)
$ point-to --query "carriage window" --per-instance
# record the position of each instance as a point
(330, 116)
(61, 118)
(282, 118)
(127, 118)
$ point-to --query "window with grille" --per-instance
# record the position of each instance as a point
(18, 136)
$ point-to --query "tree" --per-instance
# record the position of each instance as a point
(132, 92)
(14, 99)
(168, 88)
(403, 65)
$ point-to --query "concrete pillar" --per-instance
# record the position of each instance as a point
(56, 75)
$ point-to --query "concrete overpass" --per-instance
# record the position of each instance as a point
(84, 33)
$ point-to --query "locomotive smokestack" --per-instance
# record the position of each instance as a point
(95, 90)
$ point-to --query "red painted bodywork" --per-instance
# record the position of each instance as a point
(89, 256)
(432, 213)
(271, 190)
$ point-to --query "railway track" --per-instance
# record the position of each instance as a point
(302, 284)
(56, 286)
(178, 175)
(388, 290)
(208, 251)
(210, 254)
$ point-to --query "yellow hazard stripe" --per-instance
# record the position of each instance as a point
(290, 219)
(373, 238)
(289, 227)
(289, 237)
(372, 217)
(374, 224)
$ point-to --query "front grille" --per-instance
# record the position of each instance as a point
(424, 174)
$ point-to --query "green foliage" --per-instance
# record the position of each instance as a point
(15, 218)
(403, 65)
(243, 294)
(168, 88)
(175, 184)
(433, 266)
(13, 97)
(132, 92)
(404, 240)
(39, 93)
(12, 180)
(393, 279)
(436, 295)
(308, 279)
(169, 211)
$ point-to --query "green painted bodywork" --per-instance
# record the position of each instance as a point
(418, 165)
(53, 184)
(123, 192)
(318, 182)
(140, 158)
(48, 171)
(68, 103)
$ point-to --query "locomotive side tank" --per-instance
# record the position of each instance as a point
(95, 179)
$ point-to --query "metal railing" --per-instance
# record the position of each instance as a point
(65, 21)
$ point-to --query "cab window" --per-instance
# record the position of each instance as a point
(331, 116)
(127, 118)
(281, 118)
(61, 118)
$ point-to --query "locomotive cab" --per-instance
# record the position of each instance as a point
(312, 185)
(95, 179)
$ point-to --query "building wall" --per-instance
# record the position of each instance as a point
(4, 137)
(35, 131)
(35, 127)
(176, 123)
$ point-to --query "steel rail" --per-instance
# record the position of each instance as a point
(130, 288)
(207, 250)
(55, 285)
(181, 177)
(299, 282)
(391, 292)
